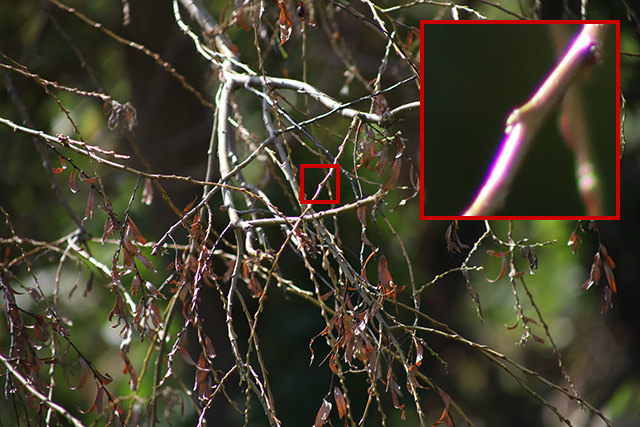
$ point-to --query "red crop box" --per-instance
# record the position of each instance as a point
(336, 173)
(485, 88)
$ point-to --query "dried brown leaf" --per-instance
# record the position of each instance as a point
(608, 273)
(511, 327)
(575, 241)
(135, 285)
(72, 182)
(393, 176)
(538, 339)
(84, 375)
(445, 417)
(135, 232)
(89, 284)
(503, 266)
(368, 151)
(128, 369)
(89, 179)
(341, 404)
(147, 192)
(208, 345)
(361, 212)
(384, 276)
(285, 22)
(88, 213)
(323, 413)
(145, 262)
(63, 166)
(454, 244)
(186, 357)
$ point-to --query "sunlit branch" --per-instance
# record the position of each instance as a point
(307, 89)
(315, 216)
(524, 122)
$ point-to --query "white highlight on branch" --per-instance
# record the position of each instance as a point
(523, 122)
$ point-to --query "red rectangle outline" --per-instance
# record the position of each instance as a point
(319, 166)
(524, 217)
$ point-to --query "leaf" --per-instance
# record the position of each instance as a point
(154, 291)
(135, 284)
(190, 205)
(394, 175)
(129, 253)
(301, 11)
(88, 213)
(89, 285)
(412, 379)
(109, 228)
(128, 369)
(361, 212)
(537, 338)
(99, 392)
(118, 309)
(606, 256)
(84, 375)
(511, 327)
(285, 22)
(363, 273)
(586, 285)
(454, 245)
(381, 104)
(575, 241)
(186, 357)
(155, 314)
(393, 386)
(419, 352)
(89, 180)
(529, 253)
(409, 39)
(72, 182)
(608, 303)
(145, 262)
(384, 277)
(596, 269)
(368, 152)
(323, 413)
(98, 402)
(208, 345)
(147, 192)
(608, 273)
(383, 159)
(255, 286)
(332, 364)
(202, 377)
(135, 231)
(400, 145)
(341, 404)
(306, 12)
(503, 266)
(63, 166)
(195, 225)
(445, 417)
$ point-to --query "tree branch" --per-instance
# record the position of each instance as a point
(524, 122)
